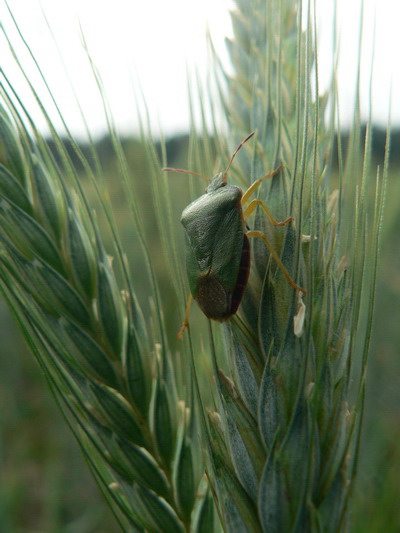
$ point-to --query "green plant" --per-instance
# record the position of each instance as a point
(278, 435)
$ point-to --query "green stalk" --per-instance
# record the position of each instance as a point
(292, 403)
(87, 332)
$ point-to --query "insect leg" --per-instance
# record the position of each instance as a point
(185, 322)
(261, 235)
(254, 186)
(254, 203)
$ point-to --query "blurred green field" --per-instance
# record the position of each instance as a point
(45, 485)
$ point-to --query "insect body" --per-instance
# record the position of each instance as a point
(217, 244)
(217, 249)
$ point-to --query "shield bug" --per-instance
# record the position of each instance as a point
(217, 243)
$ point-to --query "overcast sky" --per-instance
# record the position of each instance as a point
(153, 42)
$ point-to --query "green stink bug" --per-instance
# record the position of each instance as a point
(217, 244)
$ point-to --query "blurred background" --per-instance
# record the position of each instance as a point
(150, 49)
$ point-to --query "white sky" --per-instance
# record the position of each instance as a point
(152, 42)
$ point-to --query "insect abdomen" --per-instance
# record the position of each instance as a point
(214, 300)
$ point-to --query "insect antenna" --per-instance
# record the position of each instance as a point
(236, 151)
(169, 169)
